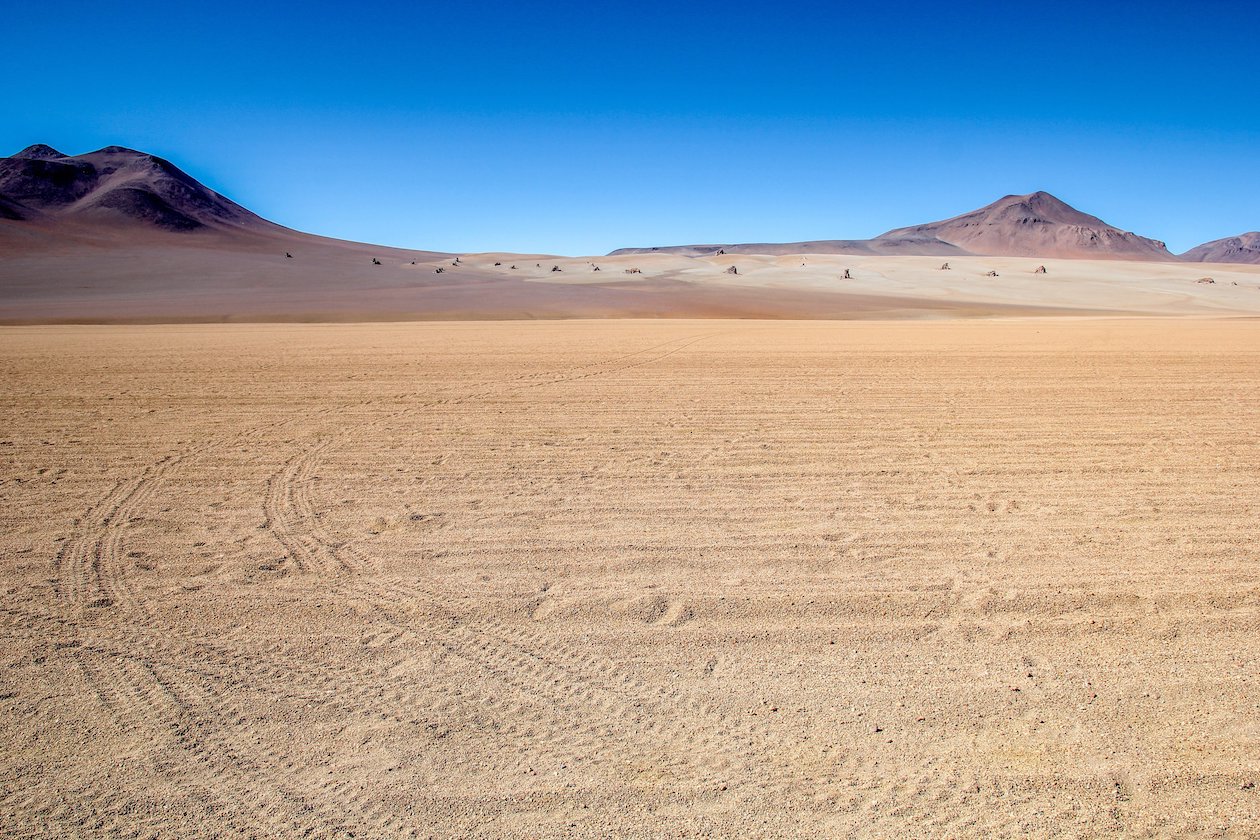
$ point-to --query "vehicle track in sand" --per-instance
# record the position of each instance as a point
(708, 752)
(91, 574)
(481, 602)
(88, 568)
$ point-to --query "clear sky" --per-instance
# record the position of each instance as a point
(576, 128)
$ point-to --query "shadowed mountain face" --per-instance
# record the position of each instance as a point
(116, 186)
(1244, 248)
(1035, 225)
(13, 211)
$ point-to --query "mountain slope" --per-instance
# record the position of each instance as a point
(1034, 225)
(1243, 248)
(14, 211)
(117, 186)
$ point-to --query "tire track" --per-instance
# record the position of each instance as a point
(287, 490)
(194, 699)
(287, 508)
(561, 695)
(89, 569)
(90, 574)
(910, 564)
(530, 666)
(87, 566)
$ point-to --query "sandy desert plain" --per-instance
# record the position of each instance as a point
(934, 578)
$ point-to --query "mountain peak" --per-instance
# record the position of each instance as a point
(119, 150)
(113, 185)
(1042, 199)
(1037, 224)
(39, 152)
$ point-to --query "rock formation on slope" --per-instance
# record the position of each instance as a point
(1244, 248)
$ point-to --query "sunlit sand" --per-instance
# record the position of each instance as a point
(696, 577)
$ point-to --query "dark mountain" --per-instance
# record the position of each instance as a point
(14, 211)
(40, 152)
(113, 185)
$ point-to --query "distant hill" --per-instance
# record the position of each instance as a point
(113, 186)
(1243, 248)
(1033, 225)
(908, 246)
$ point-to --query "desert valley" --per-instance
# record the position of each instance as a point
(312, 538)
(119, 236)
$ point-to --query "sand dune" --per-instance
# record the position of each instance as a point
(586, 579)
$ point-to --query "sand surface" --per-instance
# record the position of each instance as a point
(948, 579)
(50, 277)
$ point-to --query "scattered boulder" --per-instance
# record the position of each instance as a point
(1205, 280)
(847, 275)
(720, 252)
(499, 263)
(556, 268)
(990, 274)
(439, 270)
(596, 268)
(375, 261)
(287, 255)
(633, 271)
(732, 270)
(1041, 269)
(945, 267)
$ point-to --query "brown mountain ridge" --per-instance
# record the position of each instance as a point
(1035, 225)
(1032, 225)
(124, 188)
(1243, 248)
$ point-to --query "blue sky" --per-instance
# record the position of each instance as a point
(581, 127)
